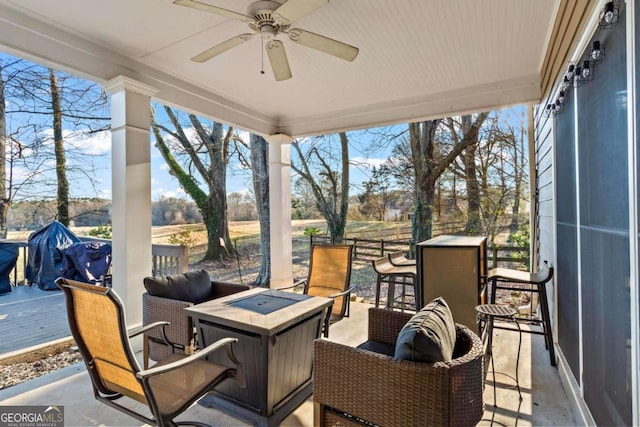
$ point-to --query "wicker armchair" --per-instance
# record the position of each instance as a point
(353, 385)
(180, 331)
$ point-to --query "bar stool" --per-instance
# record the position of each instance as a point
(388, 273)
(398, 259)
(504, 278)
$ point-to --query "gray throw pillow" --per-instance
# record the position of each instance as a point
(429, 336)
(193, 286)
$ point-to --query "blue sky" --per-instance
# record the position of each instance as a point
(163, 184)
(95, 153)
(98, 149)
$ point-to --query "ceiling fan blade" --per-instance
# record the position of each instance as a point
(291, 10)
(222, 47)
(324, 44)
(278, 59)
(213, 9)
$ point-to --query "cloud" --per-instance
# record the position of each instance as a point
(95, 144)
(367, 162)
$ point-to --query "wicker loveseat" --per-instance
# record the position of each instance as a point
(353, 386)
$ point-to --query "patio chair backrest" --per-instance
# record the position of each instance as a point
(330, 272)
(96, 318)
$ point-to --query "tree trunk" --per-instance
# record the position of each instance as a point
(61, 173)
(212, 205)
(421, 137)
(473, 189)
(4, 200)
(518, 171)
(260, 171)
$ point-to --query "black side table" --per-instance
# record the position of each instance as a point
(487, 313)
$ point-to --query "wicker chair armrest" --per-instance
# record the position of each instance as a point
(222, 289)
(158, 309)
(385, 325)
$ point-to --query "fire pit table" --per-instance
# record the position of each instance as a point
(275, 332)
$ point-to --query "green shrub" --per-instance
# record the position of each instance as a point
(521, 238)
(183, 238)
(102, 231)
(312, 231)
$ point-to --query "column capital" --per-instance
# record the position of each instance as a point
(279, 138)
(120, 83)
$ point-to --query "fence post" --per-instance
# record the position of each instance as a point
(355, 247)
(381, 247)
(183, 259)
(495, 256)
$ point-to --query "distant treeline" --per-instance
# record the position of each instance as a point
(92, 212)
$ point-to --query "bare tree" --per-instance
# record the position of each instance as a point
(330, 186)
(259, 149)
(206, 155)
(61, 162)
(468, 129)
(46, 109)
(429, 164)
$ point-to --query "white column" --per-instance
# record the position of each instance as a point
(131, 190)
(280, 209)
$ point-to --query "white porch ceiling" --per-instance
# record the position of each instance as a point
(418, 59)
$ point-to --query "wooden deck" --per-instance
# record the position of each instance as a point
(30, 316)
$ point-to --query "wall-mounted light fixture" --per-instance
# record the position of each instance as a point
(597, 52)
(587, 71)
(551, 110)
(570, 71)
(577, 77)
(583, 70)
(609, 15)
(561, 97)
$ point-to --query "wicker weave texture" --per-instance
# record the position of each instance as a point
(389, 392)
(180, 328)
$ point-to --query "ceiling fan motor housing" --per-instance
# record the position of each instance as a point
(264, 22)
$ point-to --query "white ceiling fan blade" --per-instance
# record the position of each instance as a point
(278, 59)
(324, 44)
(213, 9)
(291, 10)
(222, 47)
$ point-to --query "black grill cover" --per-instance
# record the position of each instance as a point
(46, 254)
(87, 262)
(8, 258)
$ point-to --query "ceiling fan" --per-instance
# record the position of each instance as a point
(269, 19)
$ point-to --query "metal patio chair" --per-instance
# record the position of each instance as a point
(97, 322)
(329, 276)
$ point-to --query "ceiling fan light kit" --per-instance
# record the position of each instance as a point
(270, 18)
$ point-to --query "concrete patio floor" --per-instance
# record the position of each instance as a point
(544, 403)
